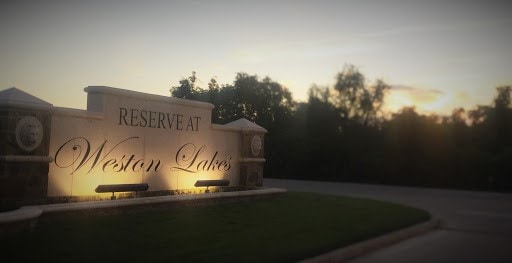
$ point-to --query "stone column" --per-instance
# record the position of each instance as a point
(25, 126)
(252, 153)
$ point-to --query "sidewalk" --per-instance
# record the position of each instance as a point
(347, 253)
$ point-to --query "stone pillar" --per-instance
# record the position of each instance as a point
(252, 153)
(25, 126)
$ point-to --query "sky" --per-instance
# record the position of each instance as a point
(437, 55)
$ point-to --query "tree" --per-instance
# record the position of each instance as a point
(341, 134)
(479, 115)
(355, 99)
(502, 100)
(262, 101)
(213, 98)
(268, 104)
(503, 118)
(187, 88)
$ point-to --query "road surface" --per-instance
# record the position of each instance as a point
(475, 226)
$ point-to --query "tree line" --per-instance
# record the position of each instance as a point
(342, 133)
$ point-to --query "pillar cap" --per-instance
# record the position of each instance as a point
(246, 125)
(16, 98)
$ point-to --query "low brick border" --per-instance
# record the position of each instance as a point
(346, 253)
(26, 217)
(19, 220)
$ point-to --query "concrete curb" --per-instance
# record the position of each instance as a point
(346, 253)
(19, 220)
(154, 200)
(22, 214)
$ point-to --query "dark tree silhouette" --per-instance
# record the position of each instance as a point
(340, 133)
(187, 88)
(355, 99)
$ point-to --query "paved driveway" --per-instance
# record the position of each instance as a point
(475, 226)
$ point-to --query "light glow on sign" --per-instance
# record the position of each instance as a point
(140, 138)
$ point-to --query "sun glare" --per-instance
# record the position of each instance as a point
(425, 101)
(398, 99)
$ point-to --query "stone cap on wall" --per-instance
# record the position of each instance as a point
(146, 96)
(16, 98)
(246, 125)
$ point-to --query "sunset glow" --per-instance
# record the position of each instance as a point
(397, 100)
(449, 55)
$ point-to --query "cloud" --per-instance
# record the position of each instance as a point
(424, 100)
(416, 90)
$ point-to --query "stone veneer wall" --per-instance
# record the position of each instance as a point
(25, 128)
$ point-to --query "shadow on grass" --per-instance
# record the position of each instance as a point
(284, 228)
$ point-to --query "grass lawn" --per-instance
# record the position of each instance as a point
(284, 228)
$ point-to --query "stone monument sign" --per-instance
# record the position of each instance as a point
(123, 137)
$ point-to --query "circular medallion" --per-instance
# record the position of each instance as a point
(29, 133)
(256, 145)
